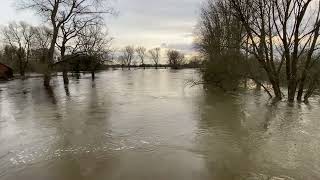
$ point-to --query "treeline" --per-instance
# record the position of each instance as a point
(73, 38)
(80, 47)
(26, 47)
(130, 56)
(22, 45)
(266, 41)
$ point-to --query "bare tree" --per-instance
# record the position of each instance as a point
(127, 55)
(42, 43)
(21, 38)
(220, 38)
(141, 52)
(218, 33)
(70, 30)
(9, 55)
(155, 56)
(175, 58)
(94, 46)
(58, 12)
(282, 33)
(121, 60)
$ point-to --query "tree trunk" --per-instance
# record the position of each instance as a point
(309, 92)
(292, 88)
(66, 88)
(93, 75)
(22, 73)
(301, 88)
(47, 74)
(65, 76)
(274, 80)
(46, 80)
(276, 90)
(64, 63)
(78, 75)
(307, 65)
(21, 67)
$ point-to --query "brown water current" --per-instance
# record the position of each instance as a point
(150, 124)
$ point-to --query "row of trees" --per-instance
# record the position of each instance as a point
(21, 40)
(27, 46)
(128, 54)
(273, 40)
(74, 28)
(73, 37)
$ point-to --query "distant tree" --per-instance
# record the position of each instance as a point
(175, 58)
(141, 52)
(58, 12)
(42, 43)
(135, 63)
(70, 30)
(20, 37)
(194, 62)
(127, 55)
(8, 56)
(121, 60)
(155, 56)
(94, 45)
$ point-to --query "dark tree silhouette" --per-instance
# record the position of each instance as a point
(21, 38)
(175, 58)
(58, 12)
(127, 55)
(155, 56)
(141, 52)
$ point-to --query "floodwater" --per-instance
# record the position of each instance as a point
(149, 124)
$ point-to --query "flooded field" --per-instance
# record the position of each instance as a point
(149, 124)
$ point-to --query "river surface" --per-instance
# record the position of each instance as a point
(152, 125)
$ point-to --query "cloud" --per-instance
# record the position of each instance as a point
(151, 23)
(183, 47)
(9, 13)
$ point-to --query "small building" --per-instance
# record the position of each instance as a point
(5, 72)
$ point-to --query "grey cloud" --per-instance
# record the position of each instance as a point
(184, 47)
(149, 22)
(157, 14)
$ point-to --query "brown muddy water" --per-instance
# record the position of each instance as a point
(150, 125)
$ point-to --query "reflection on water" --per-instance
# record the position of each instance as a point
(148, 124)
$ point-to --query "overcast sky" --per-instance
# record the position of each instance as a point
(149, 23)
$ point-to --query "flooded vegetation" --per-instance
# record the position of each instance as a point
(161, 90)
(149, 124)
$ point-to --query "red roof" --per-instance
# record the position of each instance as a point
(5, 66)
